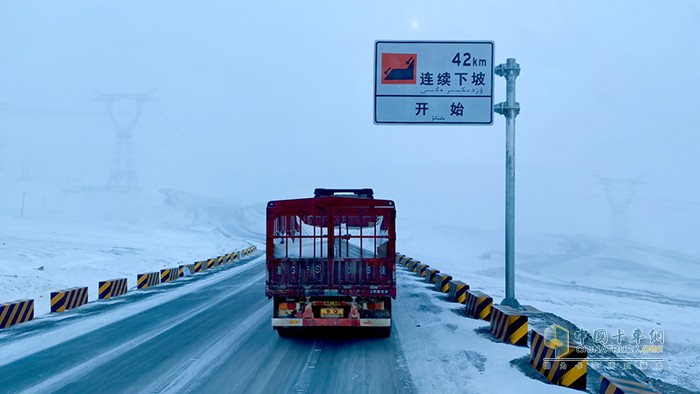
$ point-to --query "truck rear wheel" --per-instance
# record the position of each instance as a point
(383, 332)
(285, 332)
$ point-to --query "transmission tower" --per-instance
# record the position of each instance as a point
(122, 177)
(619, 193)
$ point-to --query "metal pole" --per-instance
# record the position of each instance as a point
(510, 109)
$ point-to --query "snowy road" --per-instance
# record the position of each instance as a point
(214, 337)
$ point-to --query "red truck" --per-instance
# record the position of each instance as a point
(331, 261)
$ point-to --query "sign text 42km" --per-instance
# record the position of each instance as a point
(433, 82)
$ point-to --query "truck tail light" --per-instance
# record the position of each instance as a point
(283, 306)
(292, 306)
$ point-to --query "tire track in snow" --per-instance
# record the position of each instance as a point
(61, 379)
(304, 381)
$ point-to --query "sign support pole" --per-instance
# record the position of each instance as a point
(510, 109)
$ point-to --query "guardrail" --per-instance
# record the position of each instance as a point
(508, 325)
(16, 312)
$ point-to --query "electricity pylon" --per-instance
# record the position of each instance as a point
(619, 193)
(122, 177)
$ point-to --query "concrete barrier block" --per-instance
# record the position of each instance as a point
(442, 281)
(111, 288)
(16, 312)
(430, 275)
(168, 275)
(457, 291)
(64, 300)
(615, 385)
(478, 305)
(146, 280)
(509, 325)
(559, 360)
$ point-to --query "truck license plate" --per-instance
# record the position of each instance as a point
(331, 312)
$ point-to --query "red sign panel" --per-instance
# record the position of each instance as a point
(399, 68)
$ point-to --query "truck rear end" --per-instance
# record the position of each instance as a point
(331, 261)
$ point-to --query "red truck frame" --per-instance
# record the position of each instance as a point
(331, 261)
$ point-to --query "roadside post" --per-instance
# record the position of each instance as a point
(510, 109)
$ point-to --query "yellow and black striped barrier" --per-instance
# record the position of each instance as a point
(509, 325)
(430, 274)
(407, 262)
(412, 265)
(415, 266)
(442, 282)
(144, 281)
(478, 305)
(64, 300)
(211, 264)
(181, 270)
(421, 270)
(457, 291)
(220, 260)
(399, 258)
(111, 288)
(16, 312)
(199, 266)
(168, 274)
(236, 255)
(560, 361)
(228, 257)
(613, 385)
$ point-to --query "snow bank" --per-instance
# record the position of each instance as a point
(98, 235)
(596, 283)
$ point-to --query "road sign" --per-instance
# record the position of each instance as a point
(433, 82)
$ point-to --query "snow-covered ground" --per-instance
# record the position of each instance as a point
(121, 236)
(595, 283)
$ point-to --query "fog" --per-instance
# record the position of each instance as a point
(253, 101)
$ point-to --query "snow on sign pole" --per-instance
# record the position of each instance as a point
(433, 82)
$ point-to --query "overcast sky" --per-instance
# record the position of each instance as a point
(267, 100)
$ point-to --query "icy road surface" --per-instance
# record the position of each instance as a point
(212, 333)
(217, 338)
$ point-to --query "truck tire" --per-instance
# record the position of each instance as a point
(384, 332)
(284, 332)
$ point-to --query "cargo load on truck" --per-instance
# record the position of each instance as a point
(331, 261)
